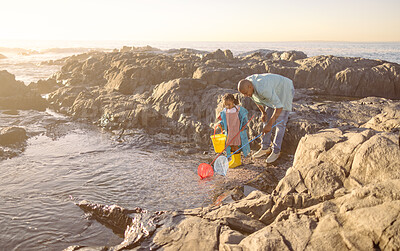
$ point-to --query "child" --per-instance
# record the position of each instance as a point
(233, 117)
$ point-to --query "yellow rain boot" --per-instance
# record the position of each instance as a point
(236, 161)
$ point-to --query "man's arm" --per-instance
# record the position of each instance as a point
(271, 122)
(263, 113)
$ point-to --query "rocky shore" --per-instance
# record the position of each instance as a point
(179, 91)
(337, 186)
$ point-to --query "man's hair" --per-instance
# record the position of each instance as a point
(243, 85)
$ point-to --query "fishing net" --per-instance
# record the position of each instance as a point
(205, 170)
(221, 165)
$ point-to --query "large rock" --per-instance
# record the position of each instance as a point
(15, 95)
(332, 159)
(184, 104)
(9, 86)
(344, 76)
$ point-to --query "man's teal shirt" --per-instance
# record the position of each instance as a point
(272, 90)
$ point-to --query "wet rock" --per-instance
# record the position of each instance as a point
(115, 217)
(12, 142)
(12, 135)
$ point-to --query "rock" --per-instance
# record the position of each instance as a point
(225, 78)
(270, 55)
(290, 234)
(345, 76)
(64, 97)
(219, 55)
(388, 120)
(292, 55)
(192, 233)
(9, 86)
(44, 86)
(2, 56)
(114, 216)
(130, 78)
(375, 216)
(378, 159)
(312, 112)
(12, 135)
(15, 95)
(126, 49)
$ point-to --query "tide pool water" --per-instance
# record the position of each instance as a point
(66, 162)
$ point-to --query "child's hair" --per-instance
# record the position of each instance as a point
(229, 96)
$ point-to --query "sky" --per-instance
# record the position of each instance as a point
(202, 20)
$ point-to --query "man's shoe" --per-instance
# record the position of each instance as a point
(272, 157)
(262, 152)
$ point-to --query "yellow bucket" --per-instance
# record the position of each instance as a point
(218, 141)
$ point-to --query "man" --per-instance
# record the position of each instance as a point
(273, 94)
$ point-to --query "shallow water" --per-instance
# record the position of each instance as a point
(65, 162)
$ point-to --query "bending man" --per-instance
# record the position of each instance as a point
(273, 94)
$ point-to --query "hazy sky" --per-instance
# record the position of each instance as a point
(202, 20)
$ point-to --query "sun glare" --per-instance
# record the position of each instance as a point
(174, 20)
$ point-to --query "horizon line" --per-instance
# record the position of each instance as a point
(204, 41)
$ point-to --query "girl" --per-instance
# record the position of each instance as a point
(233, 117)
